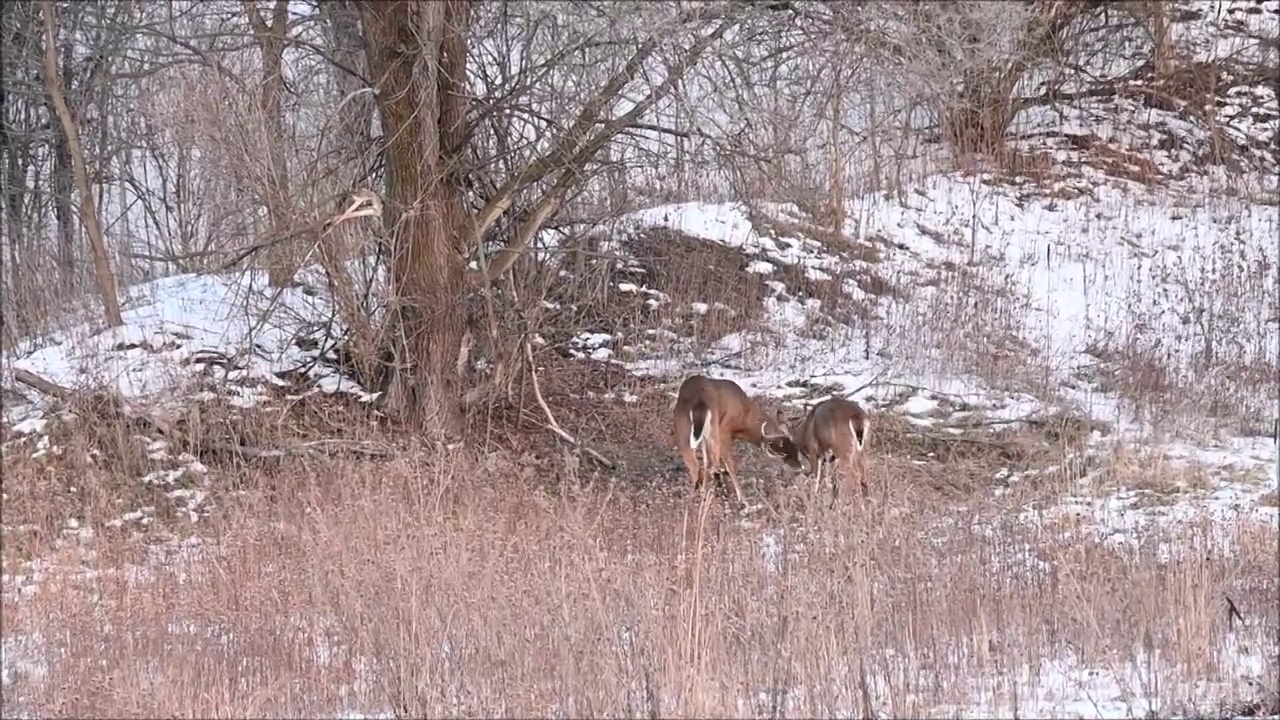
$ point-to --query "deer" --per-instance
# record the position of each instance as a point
(709, 415)
(834, 429)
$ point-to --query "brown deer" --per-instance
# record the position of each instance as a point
(834, 427)
(709, 415)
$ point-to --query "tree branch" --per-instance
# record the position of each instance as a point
(574, 165)
(575, 136)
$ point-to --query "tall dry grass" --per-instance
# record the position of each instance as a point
(429, 587)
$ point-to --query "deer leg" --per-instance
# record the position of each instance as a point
(731, 467)
(844, 476)
(714, 462)
(837, 471)
(860, 463)
(862, 474)
(817, 475)
(712, 449)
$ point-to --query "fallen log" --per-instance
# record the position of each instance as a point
(32, 380)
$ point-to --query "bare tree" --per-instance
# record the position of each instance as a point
(354, 105)
(418, 54)
(16, 146)
(201, 135)
(88, 207)
(1161, 37)
(271, 43)
(418, 59)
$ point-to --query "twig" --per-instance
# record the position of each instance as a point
(873, 381)
(1233, 614)
(552, 425)
(721, 360)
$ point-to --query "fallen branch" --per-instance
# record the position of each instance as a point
(917, 388)
(873, 381)
(723, 359)
(355, 448)
(939, 437)
(205, 447)
(52, 389)
(988, 422)
(552, 425)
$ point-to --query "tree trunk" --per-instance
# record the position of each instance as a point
(1162, 40)
(17, 156)
(352, 142)
(979, 115)
(62, 189)
(836, 186)
(88, 208)
(280, 263)
(417, 53)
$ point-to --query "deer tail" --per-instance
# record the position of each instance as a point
(698, 423)
(859, 431)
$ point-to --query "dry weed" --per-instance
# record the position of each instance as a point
(433, 585)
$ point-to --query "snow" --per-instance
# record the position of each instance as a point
(30, 425)
(182, 327)
(1077, 279)
(1068, 688)
(1077, 284)
(1097, 265)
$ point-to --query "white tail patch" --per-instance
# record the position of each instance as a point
(694, 439)
(857, 439)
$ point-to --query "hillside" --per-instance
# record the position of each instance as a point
(1071, 362)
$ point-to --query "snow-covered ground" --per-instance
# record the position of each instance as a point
(1080, 271)
(1076, 271)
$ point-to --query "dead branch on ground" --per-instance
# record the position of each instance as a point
(551, 424)
(205, 448)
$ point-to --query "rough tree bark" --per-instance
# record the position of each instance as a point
(88, 208)
(417, 60)
(417, 57)
(271, 40)
(836, 186)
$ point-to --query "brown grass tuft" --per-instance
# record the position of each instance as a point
(434, 585)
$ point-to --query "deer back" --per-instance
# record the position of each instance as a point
(827, 427)
(735, 413)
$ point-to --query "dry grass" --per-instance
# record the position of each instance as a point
(690, 270)
(430, 586)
